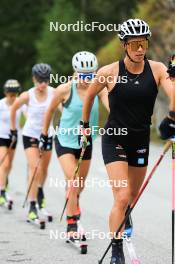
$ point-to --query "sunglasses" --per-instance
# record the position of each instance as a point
(135, 45)
(84, 76)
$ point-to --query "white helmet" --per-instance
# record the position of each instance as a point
(12, 86)
(134, 28)
(84, 62)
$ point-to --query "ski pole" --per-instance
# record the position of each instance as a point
(33, 177)
(6, 154)
(173, 195)
(165, 149)
(74, 177)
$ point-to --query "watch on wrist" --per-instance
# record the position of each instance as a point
(84, 124)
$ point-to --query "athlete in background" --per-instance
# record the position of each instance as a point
(11, 91)
(71, 95)
(37, 100)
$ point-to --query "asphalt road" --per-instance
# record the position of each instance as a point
(21, 242)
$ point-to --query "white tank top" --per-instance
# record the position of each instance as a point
(35, 114)
(5, 118)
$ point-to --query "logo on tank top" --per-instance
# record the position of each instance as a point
(119, 147)
(136, 82)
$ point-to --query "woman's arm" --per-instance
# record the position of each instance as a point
(59, 96)
(103, 95)
(95, 88)
(21, 100)
(167, 85)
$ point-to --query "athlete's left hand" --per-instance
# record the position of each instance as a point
(167, 128)
(13, 135)
(43, 142)
(85, 134)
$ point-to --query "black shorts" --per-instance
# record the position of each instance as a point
(5, 142)
(30, 142)
(134, 150)
(60, 150)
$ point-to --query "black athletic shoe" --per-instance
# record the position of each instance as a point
(117, 252)
(33, 214)
(41, 198)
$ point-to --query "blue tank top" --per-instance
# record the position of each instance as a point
(70, 119)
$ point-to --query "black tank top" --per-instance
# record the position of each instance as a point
(131, 103)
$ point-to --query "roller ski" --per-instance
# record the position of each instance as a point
(131, 251)
(4, 202)
(33, 217)
(42, 206)
(130, 247)
(73, 237)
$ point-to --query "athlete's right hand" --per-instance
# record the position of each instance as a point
(43, 142)
(85, 134)
(171, 70)
(13, 135)
(167, 128)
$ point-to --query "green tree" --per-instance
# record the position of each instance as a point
(58, 47)
(21, 22)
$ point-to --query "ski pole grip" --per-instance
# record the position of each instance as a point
(167, 146)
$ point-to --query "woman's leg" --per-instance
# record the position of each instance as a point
(118, 173)
(42, 175)
(32, 155)
(5, 166)
(83, 172)
(43, 168)
(136, 176)
(68, 163)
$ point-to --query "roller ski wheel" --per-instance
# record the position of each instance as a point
(77, 243)
(50, 218)
(10, 205)
(83, 249)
